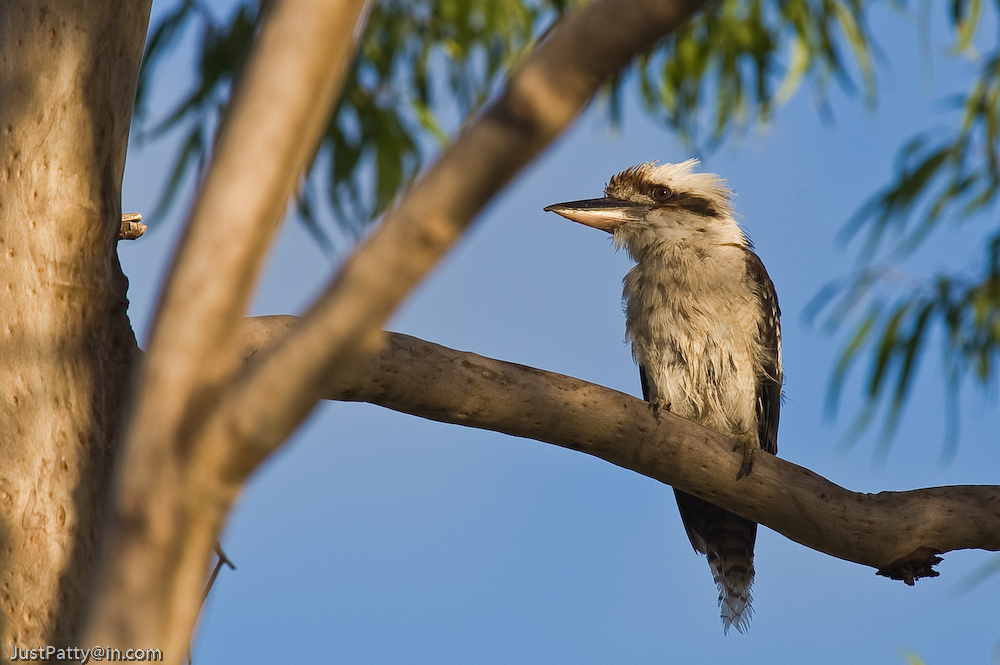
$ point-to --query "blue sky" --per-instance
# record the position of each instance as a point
(376, 537)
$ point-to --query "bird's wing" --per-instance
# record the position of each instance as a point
(644, 382)
(770, 380)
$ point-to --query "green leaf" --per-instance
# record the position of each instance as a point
(884, 351)
(847, 357)
(965, 16)
(191, 154)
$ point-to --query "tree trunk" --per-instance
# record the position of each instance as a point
(68, 72)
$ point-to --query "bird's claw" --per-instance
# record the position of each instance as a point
(657, 405)
(749, 455)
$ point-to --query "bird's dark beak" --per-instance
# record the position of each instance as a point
(606, 214)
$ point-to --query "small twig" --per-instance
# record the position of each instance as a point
(132, 226)
(223, 560)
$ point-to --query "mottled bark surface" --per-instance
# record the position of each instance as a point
(898, 533)
(67, 80)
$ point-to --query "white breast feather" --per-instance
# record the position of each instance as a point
(680, 305)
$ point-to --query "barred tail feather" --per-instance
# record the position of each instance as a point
(728, 541)
(733, 573)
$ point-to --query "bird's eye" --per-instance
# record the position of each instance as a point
(660, 193)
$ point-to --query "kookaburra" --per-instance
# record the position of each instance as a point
(702, 317)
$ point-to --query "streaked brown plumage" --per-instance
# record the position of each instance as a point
(703, 320)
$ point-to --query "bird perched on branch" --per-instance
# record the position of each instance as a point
(703, 321)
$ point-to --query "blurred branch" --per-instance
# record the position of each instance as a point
(541, 98)
(168, 508)
(898, 533)
(200, 426)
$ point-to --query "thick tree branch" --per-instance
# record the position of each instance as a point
(68, 72)
(169, 506)
(880, 530)
(540, 100)
(275, 119)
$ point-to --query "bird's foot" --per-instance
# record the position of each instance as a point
(657, 405)
(750, 449)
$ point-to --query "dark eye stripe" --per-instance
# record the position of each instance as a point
(696, 204)
(631, 182)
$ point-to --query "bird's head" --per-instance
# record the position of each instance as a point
(654, 205)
